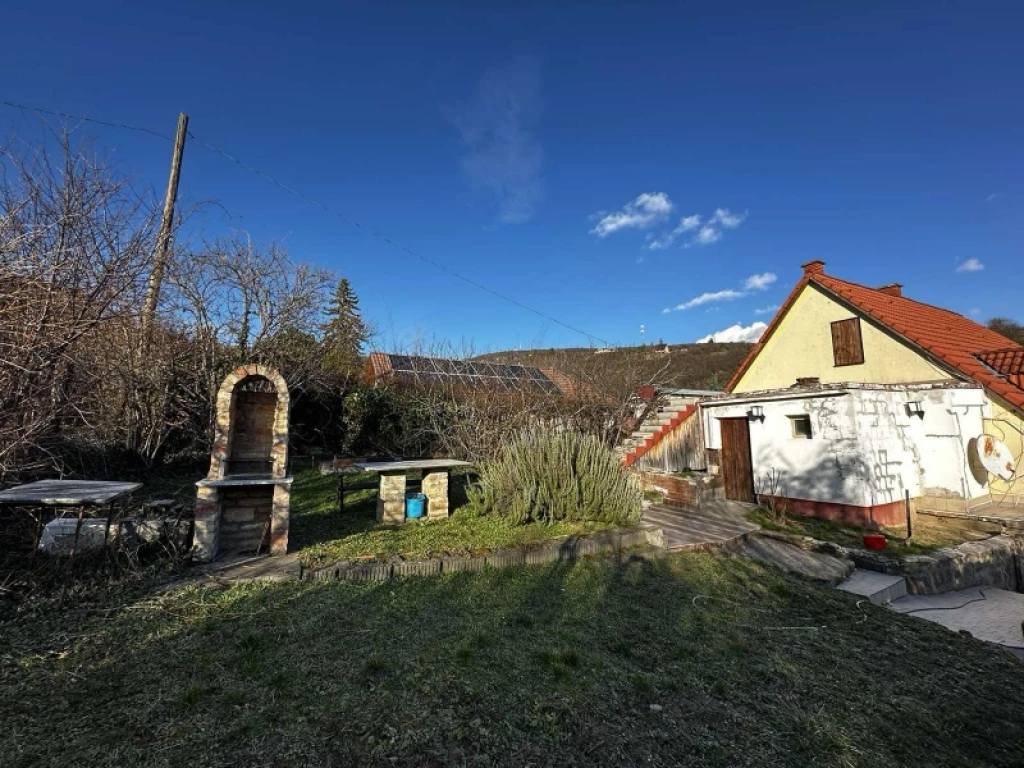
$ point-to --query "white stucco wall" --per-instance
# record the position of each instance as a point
(866, 448)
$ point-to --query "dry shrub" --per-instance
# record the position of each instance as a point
(550, 475)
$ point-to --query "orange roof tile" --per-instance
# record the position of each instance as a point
(948, 338)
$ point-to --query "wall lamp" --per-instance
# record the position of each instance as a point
(915, 408)
(756, 413)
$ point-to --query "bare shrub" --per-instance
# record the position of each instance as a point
(75, 243)
(769, 487)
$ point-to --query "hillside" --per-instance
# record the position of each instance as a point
(684, 366)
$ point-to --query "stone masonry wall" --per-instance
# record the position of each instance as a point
(245, 517)
(682, 490)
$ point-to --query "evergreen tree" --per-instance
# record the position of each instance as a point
(344, 332)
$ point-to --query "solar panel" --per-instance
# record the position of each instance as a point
(471, 374)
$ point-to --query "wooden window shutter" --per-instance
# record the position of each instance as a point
(847, 346)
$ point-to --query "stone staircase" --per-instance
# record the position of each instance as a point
(672, 410)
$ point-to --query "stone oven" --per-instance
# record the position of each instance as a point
(243, 503)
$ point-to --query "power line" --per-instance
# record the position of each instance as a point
(342, 217)
(86, 119)
(395, 244)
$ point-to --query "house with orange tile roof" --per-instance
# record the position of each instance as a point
(857, 400)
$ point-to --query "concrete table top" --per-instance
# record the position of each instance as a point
(239, 480)
(411, 465)
(67, 493)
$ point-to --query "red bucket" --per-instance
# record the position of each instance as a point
(875, 541)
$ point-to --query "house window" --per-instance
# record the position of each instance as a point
(847, 346)
(801, 426)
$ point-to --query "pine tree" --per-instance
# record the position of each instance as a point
(344, 332)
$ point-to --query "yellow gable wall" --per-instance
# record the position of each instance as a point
(802, 346)
(1008, 426)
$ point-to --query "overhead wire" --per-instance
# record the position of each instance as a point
(340, 216)
(84, 119)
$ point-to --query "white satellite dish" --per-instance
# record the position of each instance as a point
(996, 457)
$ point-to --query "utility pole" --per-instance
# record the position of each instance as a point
(163, 240)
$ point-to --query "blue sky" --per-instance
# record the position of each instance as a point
(543, 149)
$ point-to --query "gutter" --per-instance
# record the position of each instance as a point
(756, 398)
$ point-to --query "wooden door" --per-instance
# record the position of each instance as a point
(737, 467)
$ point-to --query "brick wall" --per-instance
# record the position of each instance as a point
(245, 517)
(252, 434)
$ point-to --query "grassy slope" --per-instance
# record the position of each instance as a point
(526, 666)
(322, 534)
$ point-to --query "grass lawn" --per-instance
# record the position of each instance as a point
(928, 535)
(322, 534)
(697, 659)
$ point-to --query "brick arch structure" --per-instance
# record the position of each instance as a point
(227, 420)
(243, 504)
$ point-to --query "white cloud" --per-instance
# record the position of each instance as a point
(707, 235)
(727, 218)
(688, 222)
(759, 282)
(749, 334)
(498, 125)
(652, 208)
(993, 196)
(971, 265)
(666, 310)
(666, 239)
(645, 211)
(766, 310)
(707, 298)
(975, 312)
(750, 285)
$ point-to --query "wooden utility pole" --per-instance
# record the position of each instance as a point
(163, 240)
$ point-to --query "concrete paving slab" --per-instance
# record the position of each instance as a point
(995, 615)
(710, 526)
(813, 565)
(879, 588)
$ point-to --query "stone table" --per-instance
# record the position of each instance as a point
(393, 474)
(83, 494)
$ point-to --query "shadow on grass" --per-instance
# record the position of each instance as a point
(317, 518)
(321, 533)
(599, 662)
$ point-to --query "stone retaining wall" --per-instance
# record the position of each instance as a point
(994, 562)
(682, 491)
(570, 548)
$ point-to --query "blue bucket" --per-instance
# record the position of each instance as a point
(414, 503)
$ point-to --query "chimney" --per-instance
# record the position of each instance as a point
(816, 267)
(892, 289)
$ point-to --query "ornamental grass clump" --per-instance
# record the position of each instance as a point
(548, 476)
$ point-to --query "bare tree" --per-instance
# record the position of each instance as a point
(238, 303)
(75, 244)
